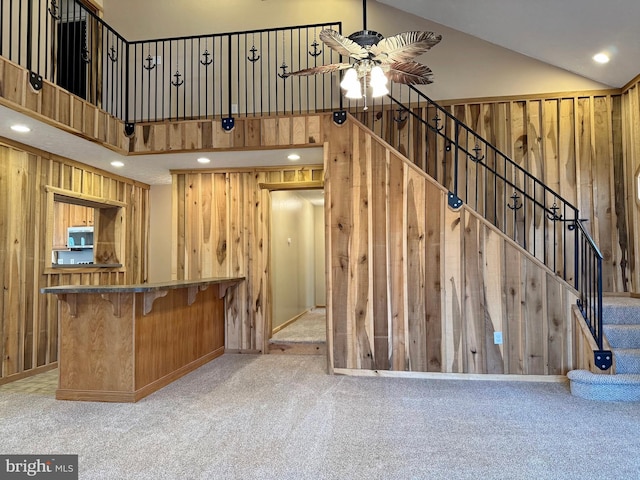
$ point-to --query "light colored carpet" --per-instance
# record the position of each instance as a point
(283, 417)
(309, 328)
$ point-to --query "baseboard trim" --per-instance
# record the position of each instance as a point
(288, 322)
(451, 376)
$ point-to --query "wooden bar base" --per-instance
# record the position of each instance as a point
(120, 344)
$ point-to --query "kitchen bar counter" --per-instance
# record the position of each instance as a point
(120, 343)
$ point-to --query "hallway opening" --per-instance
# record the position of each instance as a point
(298, 272)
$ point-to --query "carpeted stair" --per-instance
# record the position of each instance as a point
(621, 326)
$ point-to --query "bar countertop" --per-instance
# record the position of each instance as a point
(141, 287)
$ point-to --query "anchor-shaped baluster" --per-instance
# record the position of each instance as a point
(53, 10)
(400, 118)
(437, 120)
(206, 60)
(283, 67)
(477, 158)
(516, 204)
(178, 82)
(315, 46)
(253, 58)
(554, 217)
(113, 55)
(151, 63)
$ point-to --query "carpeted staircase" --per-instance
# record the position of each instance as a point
(621, 326)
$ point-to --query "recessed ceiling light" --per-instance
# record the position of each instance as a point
(20, 128)
(117, 163)
(293, 157)
(203, 160)
(601, 58)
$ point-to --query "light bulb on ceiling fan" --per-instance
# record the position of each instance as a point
(378, 82)
(351, 84)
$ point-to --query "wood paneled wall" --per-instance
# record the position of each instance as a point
(221, 225)
(631, 151)
(29, 319)
(60, 108)
(416, 286)
(573, 143)
(257, 132)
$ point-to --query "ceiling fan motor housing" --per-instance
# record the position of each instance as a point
(366, 38)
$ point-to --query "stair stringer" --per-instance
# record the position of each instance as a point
(417, 286)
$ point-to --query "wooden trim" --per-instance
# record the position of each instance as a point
(83, 198)
(531, 96)
(287, 147)
(630, 84)
(272, 168)
(95, 396)
(93, 6)
(451, 376)
(239, 351)
(28, 373)
(288, 322)
(316, 185)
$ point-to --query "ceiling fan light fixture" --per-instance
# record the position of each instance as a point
(354, 91)
(350, 79)
(378, 82)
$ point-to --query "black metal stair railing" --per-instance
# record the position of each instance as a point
(504, 192)
(242, 74)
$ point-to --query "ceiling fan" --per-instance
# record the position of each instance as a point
(377, 59)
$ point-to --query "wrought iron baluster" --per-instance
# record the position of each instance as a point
(206, 62)
(113, 54)
(253, 58)
(400, 117)
(315, 46)
(54, 10)
(477, 158)
(151, 63)
(177, 76)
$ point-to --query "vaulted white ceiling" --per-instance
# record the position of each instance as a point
(563, 33)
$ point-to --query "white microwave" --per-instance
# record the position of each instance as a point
(80, 237)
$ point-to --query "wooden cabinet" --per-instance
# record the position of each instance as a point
(67, 215)
(80, 216)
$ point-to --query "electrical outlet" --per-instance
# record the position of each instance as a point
(234, 108)
(157, 60)
(497, 338)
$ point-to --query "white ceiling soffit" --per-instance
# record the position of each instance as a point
(150, 169)
(563, 33)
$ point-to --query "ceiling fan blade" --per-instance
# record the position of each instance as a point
(404, 46)
(410, 73)
(334, 67)
(343, 45)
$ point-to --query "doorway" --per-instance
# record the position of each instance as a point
(71, 71)
(298, 272)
